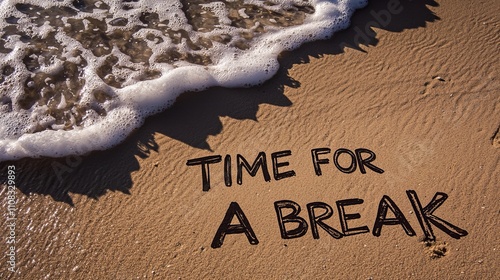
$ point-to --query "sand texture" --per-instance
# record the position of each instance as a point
(420, 89)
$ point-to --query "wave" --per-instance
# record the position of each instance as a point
(78, 76)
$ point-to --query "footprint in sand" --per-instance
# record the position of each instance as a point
(495, 139)
(430, 86)
(436, 249)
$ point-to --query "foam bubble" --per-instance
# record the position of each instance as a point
(80, 75)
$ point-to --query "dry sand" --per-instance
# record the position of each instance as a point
(422, 92)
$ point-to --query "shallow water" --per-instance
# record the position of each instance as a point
(77, 76)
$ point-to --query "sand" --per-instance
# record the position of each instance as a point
(420, 90)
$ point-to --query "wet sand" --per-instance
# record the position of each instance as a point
(419, 89)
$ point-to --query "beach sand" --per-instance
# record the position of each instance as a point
(419, 88)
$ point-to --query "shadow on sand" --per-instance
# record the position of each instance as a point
(195, 116)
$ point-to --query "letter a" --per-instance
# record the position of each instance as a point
(227, 228)
(399, 219)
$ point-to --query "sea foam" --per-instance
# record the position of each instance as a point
(80, 75)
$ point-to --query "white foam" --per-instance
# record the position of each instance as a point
(128, 92)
